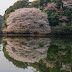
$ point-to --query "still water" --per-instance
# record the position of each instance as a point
(35, 54)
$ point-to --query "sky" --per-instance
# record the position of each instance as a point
(4, 4)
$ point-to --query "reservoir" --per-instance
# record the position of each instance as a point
(35, 54)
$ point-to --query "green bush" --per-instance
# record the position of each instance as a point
(35, 3)
(53, 19)
(62, 30)
(54, 16)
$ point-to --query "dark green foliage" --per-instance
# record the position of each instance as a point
(35, 3)
(42, 2)
(58, 54)
(68, 13)
(52, 52)
(1, 22)
(57, 17)
(62, 30)
(54, 15)
(59, 4)
(53, 19)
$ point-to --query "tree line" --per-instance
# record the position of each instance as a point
(59, 16)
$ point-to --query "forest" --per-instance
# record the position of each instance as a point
(59, 13)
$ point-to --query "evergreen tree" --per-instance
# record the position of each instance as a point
(59, 4)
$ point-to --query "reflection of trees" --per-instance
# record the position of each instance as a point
(0, 43)
(15, 62)
(58, 57)
(0, 40)
(1, 21)
(22, 51)
(27, 50)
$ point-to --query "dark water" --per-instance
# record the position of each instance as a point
(35, 54)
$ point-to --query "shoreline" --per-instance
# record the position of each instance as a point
(37, 35)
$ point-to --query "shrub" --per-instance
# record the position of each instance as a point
(53, 19)
(62, 30)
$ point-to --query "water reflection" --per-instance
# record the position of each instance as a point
(43, 54)
(27, 49)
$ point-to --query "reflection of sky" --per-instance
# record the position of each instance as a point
(4, 4)
(31, 0)
(6, 66)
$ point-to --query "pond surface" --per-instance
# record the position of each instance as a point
(35, 54)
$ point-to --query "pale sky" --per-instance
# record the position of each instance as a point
(4, 4)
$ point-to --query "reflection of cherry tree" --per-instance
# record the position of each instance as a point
(27, 50)
(57, 52)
